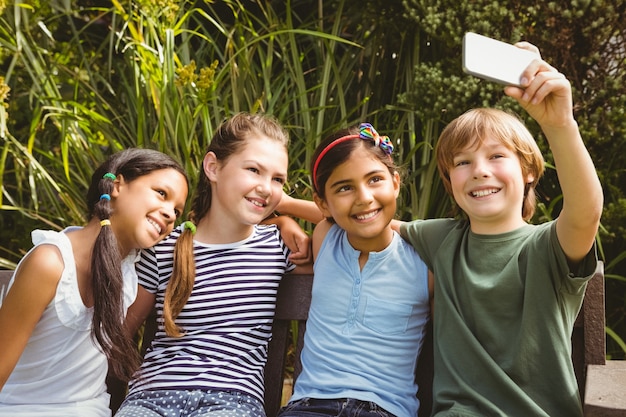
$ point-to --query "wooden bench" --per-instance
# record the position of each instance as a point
(294, 297)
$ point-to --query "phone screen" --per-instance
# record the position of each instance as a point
(494, 60)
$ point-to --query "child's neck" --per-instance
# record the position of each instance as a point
(212, 230)
(369, 244)
(495, 228)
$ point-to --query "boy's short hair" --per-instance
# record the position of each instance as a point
(473, 127)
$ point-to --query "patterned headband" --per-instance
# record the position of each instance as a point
(366, 132)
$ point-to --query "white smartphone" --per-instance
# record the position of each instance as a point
(494, 60)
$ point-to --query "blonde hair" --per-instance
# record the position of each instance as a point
(231, 136)
(473, 127)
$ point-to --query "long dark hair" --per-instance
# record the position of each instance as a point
(106, 260)
(231, 136)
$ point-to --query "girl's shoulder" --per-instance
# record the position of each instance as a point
(265, 228)
(42, 276)
(43, 265)
(319, 235)
(50, 256)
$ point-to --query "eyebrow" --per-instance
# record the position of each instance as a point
(264, 168)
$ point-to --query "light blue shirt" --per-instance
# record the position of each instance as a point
(365, 327)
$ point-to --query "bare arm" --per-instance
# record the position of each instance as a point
(34, 287)
(302, 209)
(547, 97)
(139, 310)
(319, 234)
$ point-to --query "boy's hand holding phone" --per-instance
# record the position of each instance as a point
(494, 60)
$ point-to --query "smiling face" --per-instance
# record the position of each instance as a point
(477, 126)
(487, 183)
(248, 185)
(146, 208)
(360, 196)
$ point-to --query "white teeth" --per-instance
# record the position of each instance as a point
(367, 216)
(483, 193)
(256, 203)
(156, 226)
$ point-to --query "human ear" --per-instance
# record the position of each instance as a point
(210, 165)
(322, 205)
(396, 184)
(118, 183)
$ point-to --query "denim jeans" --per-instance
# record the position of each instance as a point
(342, 407)
(175, 403)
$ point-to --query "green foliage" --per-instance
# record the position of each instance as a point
(89, 78)
(165, 75)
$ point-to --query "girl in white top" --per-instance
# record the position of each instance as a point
(61, 320)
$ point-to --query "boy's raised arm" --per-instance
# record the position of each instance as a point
(547, 97)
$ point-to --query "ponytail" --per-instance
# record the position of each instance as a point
(183, 276)
(108, 286)
(106, 261)
(181, 282)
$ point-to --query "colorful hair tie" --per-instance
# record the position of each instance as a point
(366, 132)
(189, 226)
(110, 176)
(105, 222)
(105, 197)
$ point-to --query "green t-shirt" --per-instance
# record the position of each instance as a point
(505, 306)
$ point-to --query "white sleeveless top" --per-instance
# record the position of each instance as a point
(62, 370)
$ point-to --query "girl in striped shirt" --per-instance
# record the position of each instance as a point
(214, 282)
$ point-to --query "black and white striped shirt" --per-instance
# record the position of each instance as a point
(227, 320)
